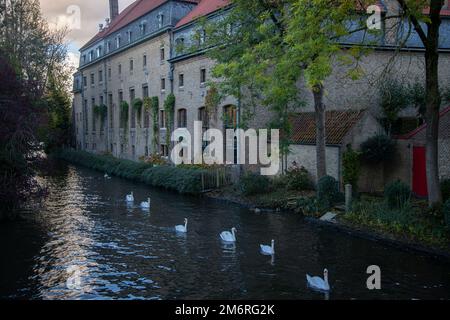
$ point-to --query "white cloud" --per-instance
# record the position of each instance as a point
(81, 16)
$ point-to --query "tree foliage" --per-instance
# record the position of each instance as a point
(34, 98)
(266, 49)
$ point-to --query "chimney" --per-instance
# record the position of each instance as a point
(113, 9)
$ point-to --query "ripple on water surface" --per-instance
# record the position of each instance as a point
(86, 243)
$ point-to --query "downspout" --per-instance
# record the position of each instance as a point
(238, 125)
(83, 108)
(171, 80)
(105, 74)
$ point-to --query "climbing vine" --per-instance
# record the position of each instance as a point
(212, 101)
(137, 106)
(101, 111)
(169, 108)
(153, 107)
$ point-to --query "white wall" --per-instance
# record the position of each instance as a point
(305, 155)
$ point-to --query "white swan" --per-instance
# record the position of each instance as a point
(106, 176)
(317, 283)
(130, 197)
(229, 236)
(145, 205)
(268, 250)
(182, 229)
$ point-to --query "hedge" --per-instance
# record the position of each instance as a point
(182, 180)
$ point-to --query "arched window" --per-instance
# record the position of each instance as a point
(230, 117)
(182, 118)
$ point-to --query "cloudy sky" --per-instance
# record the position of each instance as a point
(82, 17)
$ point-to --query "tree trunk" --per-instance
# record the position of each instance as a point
(433, 104)
(320, 131)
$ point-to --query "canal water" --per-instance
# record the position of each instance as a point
(85, 243)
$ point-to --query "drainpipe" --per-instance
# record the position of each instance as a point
(171, 80)
(106, 99)
(238, 124)
(83, 134)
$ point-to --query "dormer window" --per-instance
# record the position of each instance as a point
(143, 27)
(118, 42)
(179, 45)
(84, 58)
(99, 52)
(130, 36)
(108, 46)
(202, 37)
(91, 55)
(229, 29)
(160, 20)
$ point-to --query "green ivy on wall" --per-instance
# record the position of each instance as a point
(101, 112)
(137, 104)
(169, 108)
(154, 109)
(212, 101)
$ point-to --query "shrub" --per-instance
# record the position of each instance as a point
(155, 160)
(186, 181)
(298, 179)
(328, 193)
(251, 184)
(446, 212)
(378, 149)
(397, 195)
(307, 206)
(445, 186)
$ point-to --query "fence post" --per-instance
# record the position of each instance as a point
(348, 197)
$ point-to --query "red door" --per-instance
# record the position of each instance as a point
(420, 187)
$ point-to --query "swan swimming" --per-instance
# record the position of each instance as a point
(106, 176)
(182, 229)
(229, 236)
(317, 283)
(130, 197)
(145, 205)
(268, 250)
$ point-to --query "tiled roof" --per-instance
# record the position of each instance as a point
(337, 125)
(444, 127)
(133, 12)
(204, 8)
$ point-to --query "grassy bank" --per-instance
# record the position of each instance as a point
(182, 180)
(414, 222)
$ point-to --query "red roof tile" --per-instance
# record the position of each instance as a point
(204, 8)
(337, 125)
(133, 12)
